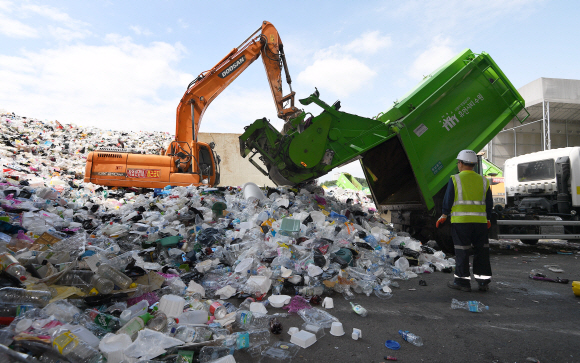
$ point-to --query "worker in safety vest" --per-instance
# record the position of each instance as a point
(470, 202)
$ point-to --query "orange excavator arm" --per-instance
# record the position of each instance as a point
(188, 161)
(209, 84)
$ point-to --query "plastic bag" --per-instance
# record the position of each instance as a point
(150, 344)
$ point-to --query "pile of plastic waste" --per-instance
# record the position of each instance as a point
(177, 274)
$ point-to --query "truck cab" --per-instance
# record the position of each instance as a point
(542, 196)
(548, 181)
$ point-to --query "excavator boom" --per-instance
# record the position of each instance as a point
(186, 160)
(209, 84)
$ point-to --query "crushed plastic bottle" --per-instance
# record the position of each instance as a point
(411, 338)
(473, 306)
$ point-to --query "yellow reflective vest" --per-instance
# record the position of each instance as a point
(469, 203)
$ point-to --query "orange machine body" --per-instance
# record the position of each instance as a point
(187, 161)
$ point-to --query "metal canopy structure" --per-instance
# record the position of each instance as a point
(554, 122)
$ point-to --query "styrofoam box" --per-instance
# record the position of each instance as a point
(303, 339)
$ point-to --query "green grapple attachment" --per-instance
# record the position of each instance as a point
(408, 152)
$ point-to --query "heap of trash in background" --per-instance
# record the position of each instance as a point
(137, 274)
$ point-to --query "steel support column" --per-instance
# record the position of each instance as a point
(546, 125)
(566, 133)
(515, 144)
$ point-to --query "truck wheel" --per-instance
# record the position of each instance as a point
(529, 241)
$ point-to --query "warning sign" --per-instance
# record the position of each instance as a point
(143, 173)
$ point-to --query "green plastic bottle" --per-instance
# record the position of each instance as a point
(134, 325)
(359, 309)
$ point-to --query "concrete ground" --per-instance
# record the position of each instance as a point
(527, 321)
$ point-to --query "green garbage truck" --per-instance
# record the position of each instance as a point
(408, 152)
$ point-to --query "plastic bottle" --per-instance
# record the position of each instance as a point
(245, 305)
(14, 295)
(310, 290)
(134, 325)
(11, 265)
(135, 310)
(158, 323)
(75, 349)
(244, 317)
(411, 338)
(78, 278)
(184, 333)
(105, 321)
(13, 310)
(119, 278)
(121, 261)
(359, 309)
(103, 285)
(210, 354)
(473, 306)
(346, 292)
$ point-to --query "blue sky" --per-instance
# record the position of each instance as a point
(125, 64)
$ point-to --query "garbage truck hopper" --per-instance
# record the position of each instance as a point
(408, 152)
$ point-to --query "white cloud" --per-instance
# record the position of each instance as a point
(120, 85)
(370, 42)
(14, 25)
(237, 107)
(140, 30)
(15, 29)
(439, 52)
(66, 35)
(437, 16)
(50, 13)
(341, 76)
(338, 70)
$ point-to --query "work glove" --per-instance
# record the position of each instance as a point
(440, 221)
(488, 224)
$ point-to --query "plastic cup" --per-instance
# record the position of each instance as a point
(336, 329)
(328, 303)
(251, 190)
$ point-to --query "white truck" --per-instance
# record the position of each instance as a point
(542, 197)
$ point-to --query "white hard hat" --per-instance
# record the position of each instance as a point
(467, 156)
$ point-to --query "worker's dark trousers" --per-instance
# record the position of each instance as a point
(468, 238)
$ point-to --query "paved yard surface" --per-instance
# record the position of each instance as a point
(526, 318)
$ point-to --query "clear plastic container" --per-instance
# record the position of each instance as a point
(103, 285)
(75, 349)
(13, 295)
(118, 278)
(11, 265)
